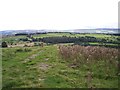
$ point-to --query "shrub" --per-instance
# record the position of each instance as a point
(19, 50)
(4, 44)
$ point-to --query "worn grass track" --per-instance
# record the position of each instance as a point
(45, 69)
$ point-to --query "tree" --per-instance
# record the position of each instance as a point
(4, 44)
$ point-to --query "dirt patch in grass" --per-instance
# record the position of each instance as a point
(33, 56)
(43, 66)
(46, 59)
(30, 58)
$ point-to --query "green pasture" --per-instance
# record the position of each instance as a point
(37, 67)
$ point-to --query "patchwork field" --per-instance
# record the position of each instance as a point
(60, 65)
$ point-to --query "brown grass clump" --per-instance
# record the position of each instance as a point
(82, 54)
(97, 59)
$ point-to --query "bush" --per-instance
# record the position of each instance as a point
(4, 44)
(19, 50)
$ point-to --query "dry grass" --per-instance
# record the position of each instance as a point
(89, 54)
(105, 59)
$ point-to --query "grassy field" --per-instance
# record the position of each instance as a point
(95, 43)
(72, 35)
(44, 67)
(12, 39)
(99, 36)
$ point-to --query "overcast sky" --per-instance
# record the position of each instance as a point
(58, 14)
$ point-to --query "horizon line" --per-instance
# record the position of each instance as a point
(61, 29)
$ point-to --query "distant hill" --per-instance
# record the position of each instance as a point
(97, 30)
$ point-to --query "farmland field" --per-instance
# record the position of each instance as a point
(42, 64)
(74, 35)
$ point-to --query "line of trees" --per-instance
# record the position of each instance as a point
(65, 39)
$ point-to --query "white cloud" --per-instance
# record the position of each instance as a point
(58, 14)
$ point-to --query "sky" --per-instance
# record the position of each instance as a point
(58, 14)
